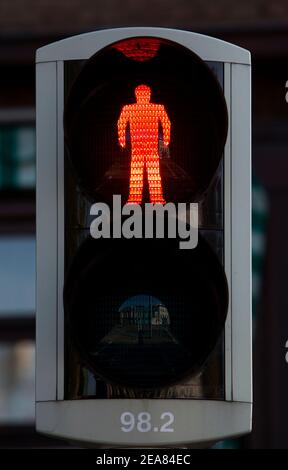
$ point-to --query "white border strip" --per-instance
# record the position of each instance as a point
(84, 46)
(241, 233)
(98, 421)
(46, 214)
(227, 235)
(60, 227)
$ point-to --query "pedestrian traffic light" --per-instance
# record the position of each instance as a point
(143, 238)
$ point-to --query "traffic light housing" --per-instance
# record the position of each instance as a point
(140, 342)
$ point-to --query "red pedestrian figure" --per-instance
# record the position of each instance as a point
(144, 118)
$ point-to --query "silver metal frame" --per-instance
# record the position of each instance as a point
(227, 234)
(201, 420)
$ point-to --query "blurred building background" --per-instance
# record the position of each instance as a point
(258, 25)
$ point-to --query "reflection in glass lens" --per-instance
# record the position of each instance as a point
(141, 337)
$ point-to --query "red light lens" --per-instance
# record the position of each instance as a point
(139, 49)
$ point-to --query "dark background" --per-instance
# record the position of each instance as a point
(258, 25)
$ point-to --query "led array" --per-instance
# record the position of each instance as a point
(144, 118)
(139, 49)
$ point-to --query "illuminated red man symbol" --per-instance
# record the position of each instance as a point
(144, 118)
